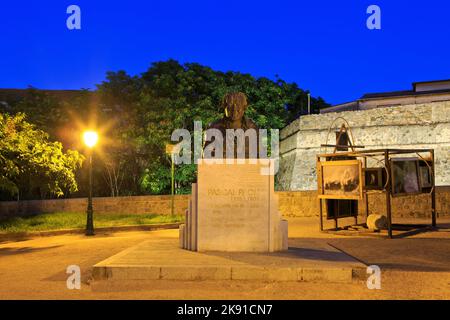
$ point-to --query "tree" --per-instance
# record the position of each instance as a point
(170, 95)
(30, 164)
(41, 109)
(139, 113)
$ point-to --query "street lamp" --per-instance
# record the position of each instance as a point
(172, 149)
(90, 140)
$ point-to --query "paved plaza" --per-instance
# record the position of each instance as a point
(416, 267)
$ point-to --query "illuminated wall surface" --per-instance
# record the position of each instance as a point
(291, 204)
(408, 126)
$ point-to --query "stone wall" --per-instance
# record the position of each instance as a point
(306, 204)
(291, 204)
(408, 126)
(106, 205)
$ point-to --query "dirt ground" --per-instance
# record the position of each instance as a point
(416, 267)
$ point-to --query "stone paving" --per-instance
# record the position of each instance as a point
(417, 267)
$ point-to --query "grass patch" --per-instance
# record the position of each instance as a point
(76, 220)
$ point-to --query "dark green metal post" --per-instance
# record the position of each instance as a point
(90, 211)
(173, 185)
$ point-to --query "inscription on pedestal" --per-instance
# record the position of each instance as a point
(235, 209)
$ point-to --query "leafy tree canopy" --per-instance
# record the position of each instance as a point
(170, 95)
(140, 113)
(30, 163)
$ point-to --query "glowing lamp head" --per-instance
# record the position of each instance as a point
(90, 138)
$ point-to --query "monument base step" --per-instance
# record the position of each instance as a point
(306, 260)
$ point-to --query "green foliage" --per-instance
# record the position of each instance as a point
(170, 95)
(155, 181)
(140, 113)
(41, 109)
(29, 162)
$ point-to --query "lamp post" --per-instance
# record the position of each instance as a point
(171, 150)
(309, 103)
(90, 139)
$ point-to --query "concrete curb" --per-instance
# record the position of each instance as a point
(162, 259)
(197, 272)
(99, 230)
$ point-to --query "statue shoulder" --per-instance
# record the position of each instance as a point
(218, 124)
(250, 124)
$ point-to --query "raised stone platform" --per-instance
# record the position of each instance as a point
(162, 259)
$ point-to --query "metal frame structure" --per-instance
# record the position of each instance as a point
(386, 153)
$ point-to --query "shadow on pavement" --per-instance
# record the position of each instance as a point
(417, 254)
(23, 250)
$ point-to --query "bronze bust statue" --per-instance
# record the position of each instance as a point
(234, 106)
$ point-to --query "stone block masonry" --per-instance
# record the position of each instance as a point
(409, 126)
(305, 204)
(290, 204)
(160, 204)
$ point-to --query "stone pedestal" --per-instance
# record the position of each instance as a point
(233, 207)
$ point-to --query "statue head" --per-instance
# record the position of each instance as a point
(234, 105)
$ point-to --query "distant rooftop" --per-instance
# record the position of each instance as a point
(421, 92)
(11, 95)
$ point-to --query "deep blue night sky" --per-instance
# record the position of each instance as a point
(323, 45)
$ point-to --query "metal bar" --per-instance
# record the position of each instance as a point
(373, 152)
(339, 146)
(319, 190)
(366, 205)
(172, 204)
(366, 196)
(433, 192)
(320, 214)
(388, 194)
(335, 216)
